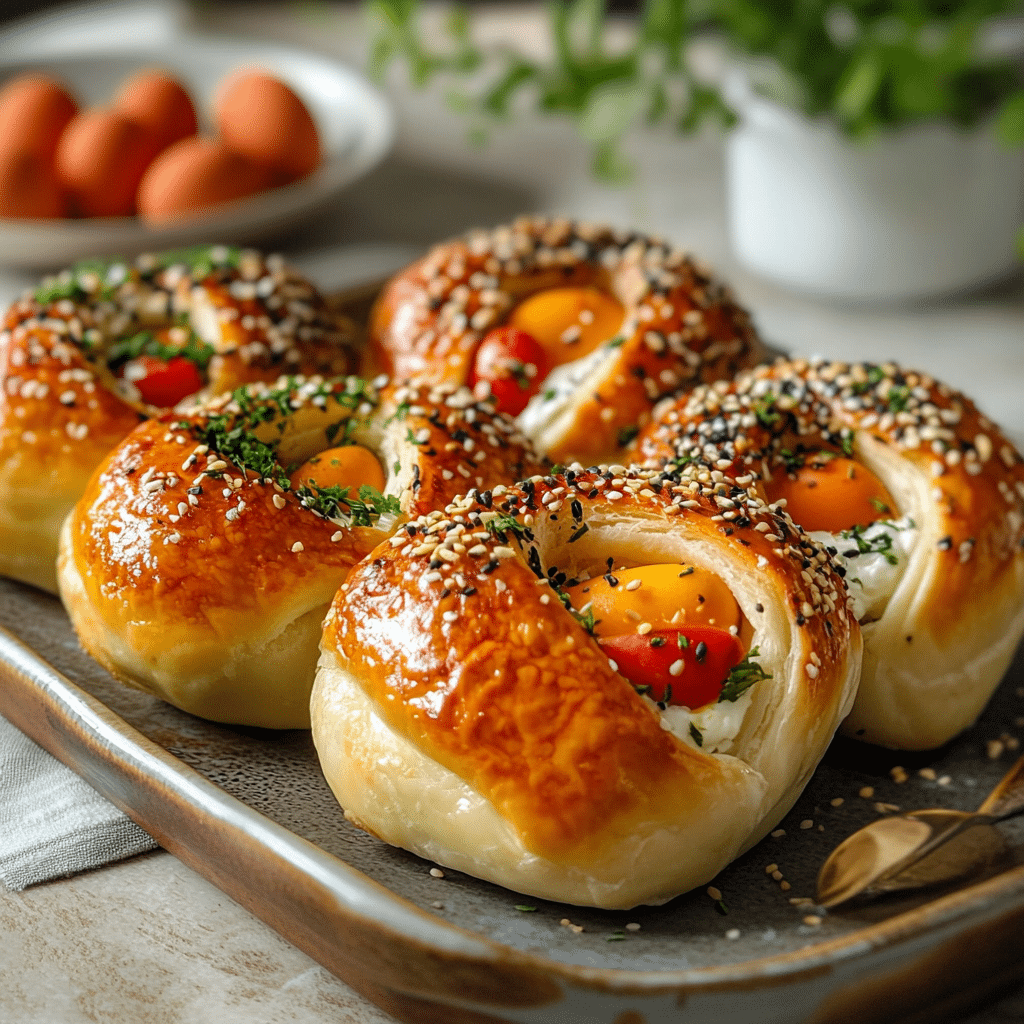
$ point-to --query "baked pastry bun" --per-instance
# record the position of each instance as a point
(576, 329)
(90, 353)
(921, 498)
(464, 710)
(203, 556)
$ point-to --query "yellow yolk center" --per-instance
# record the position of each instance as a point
(660, 595)
(832, 494)
(569, 322)
(350, 466)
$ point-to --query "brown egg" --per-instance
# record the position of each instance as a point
(194, 174)
(34, 110)
(101, 158)
(160, 104)
(29, 186)
(260, 117)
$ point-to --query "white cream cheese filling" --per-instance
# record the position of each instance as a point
(875, 558)
(559, 387)
(711, 728)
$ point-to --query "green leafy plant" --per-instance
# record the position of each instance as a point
(868, 63)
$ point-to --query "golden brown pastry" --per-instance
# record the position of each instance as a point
(921, 497)
(575, 328)
(466, 706)
(203, 556)
(106, 344)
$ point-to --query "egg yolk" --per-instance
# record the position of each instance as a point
(832, 494)
(569, 322)
(350, 466)
(660, 595)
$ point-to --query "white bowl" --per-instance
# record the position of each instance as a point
(353, 119)
(913, 214)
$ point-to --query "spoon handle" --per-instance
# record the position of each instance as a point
(1007, 798)
(938, 837)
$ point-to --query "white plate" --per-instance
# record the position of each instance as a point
(353, 119)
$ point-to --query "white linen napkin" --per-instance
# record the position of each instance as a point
(52, 823)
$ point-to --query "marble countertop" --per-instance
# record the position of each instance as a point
(150, 940)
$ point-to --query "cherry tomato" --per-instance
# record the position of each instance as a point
(706, 655)
(513, 364)
(163, 383)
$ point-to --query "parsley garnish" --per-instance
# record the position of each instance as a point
(881, 506)
(742, 677)
(503, 525)
(241, 447)
(525, 909)
(696, 735)
(879, 543)
(766, 413)
(847, 444)
(626, 434)
(549, 395)
(70, 284)
(337, 503)
(586, 620)
(875, 376)
(401, 411)
(145, 343)
(898, 398)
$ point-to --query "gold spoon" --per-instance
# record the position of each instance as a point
(887, 854)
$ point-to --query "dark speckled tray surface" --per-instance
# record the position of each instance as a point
(277, 774)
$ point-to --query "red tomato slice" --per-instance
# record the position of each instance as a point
(707, 656)
(513, 363)
(163, 383)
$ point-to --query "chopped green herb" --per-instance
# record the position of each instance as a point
(643, 689)
(616, 342)
(145, 343)
(721, 907)
(585, 619)
(401, 411)
(765, 411)
(525, 909)
(696, 735)
(899, 396)
(502, 525)
(875, 376)
(549, 394)
(742, 677)
(881, 506)
(518, 371)
(626, 434)
(397, 466)
(337, 503)
(847, 443)
(618, 936)
(879, 543)
(658, 641)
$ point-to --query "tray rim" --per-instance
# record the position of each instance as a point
(81, 731)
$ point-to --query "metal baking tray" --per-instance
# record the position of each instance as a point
(249, 810)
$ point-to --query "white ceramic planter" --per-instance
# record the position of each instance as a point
(913, 214)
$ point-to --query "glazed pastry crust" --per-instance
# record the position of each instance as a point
(681, 325)
(61, 409)
(191, 575)
(935, 655)
(462, 712)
